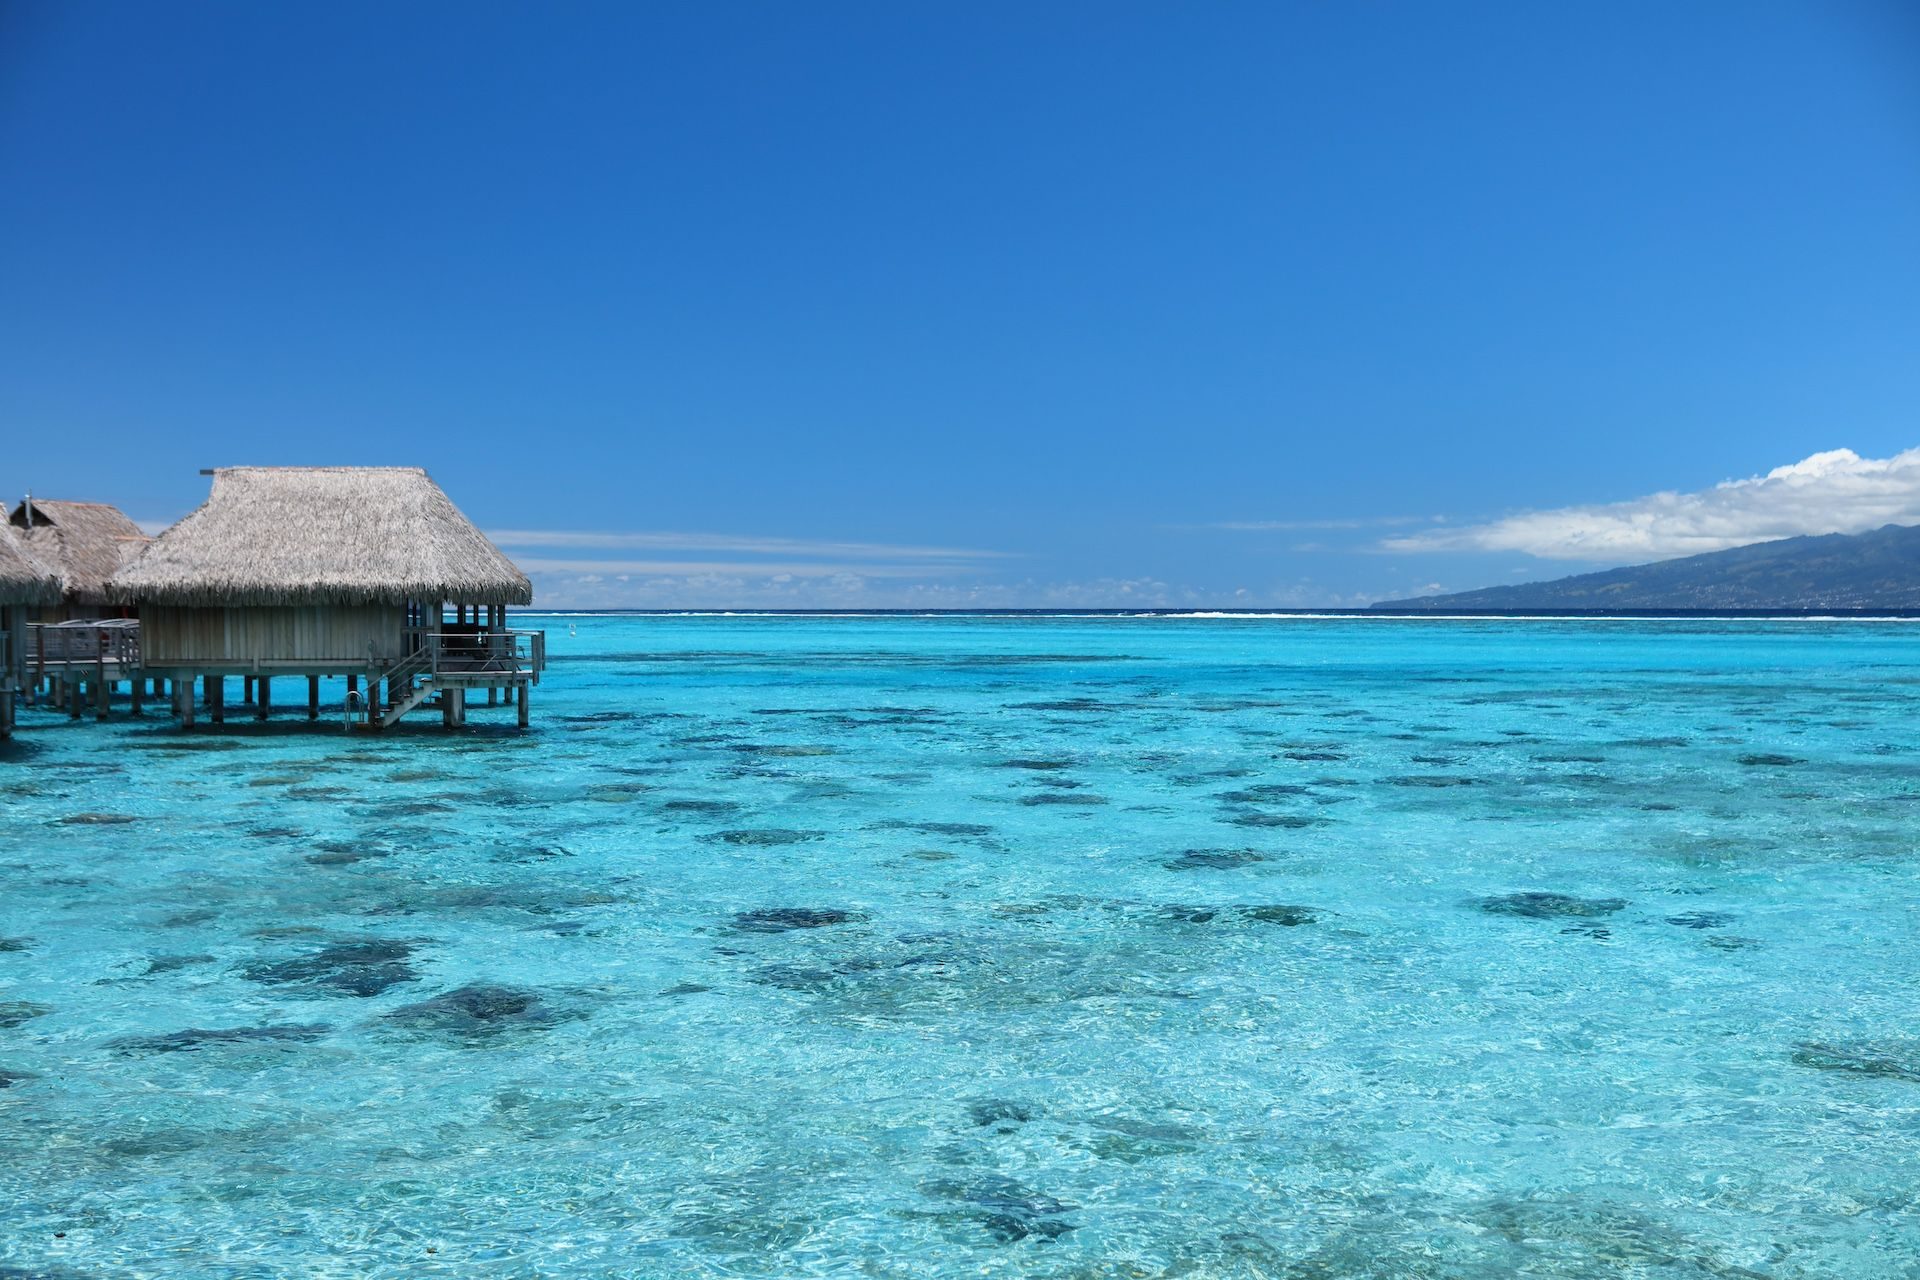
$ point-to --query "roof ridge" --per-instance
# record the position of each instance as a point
(255, 467)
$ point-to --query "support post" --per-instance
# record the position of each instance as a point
(262, 696)
(520, 698)
(186, 701)
(6, 713)
(102, 692)
(73, 691)
(216, 697)
(313, 697)
(136, 691)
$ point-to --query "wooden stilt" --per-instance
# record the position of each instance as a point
(136, 696)
(102, 694)
(313, 697)
(6, 714)
(73, 699)
(520, 698)
(186, 701)
(216, 698)
(262, 696)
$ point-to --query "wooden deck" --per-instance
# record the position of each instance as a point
(446, 665)
(88, 645)
(74, 664)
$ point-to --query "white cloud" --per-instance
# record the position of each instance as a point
(852, 589)
(584, 569)
(583, 540)
(1303, 526)
(1833, 492)
(767, 568)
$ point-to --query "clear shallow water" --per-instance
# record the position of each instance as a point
(1010, 947)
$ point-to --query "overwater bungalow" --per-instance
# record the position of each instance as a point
(367, 573)
(25, 583)
(83, 644)
(85, 543)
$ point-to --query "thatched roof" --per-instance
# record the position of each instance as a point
(322, 535)
(23, 578)
(85, 543)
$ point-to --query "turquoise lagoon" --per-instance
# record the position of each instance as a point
(1063, 947)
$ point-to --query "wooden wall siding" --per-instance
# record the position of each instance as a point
(235, 639)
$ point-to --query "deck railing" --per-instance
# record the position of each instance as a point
(477, 653)
(114, 642)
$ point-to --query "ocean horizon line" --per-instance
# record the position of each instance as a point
(1458, 615)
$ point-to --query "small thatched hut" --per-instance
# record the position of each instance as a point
(85, 543)
(24, 583)
(362, 572)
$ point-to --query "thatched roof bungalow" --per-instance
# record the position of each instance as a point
(85, 543)
(327, 571)
(338, 536)
(24, 582)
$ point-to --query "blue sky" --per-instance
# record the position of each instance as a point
(711, 304)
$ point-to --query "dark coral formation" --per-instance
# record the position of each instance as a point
(783, 919)
(202, 1037)
(1549, 906)
(361, 967)
(478, 1011)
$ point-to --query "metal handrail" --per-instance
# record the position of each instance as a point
(414, 664)
(496, 651)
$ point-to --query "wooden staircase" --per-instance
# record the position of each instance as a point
(418, 694)
(452, 666)
(420, 664)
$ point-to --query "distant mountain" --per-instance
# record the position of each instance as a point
(1877, 570)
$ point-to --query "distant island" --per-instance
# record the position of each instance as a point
(1877, 570)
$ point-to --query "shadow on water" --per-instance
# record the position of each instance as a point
(155, 734)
